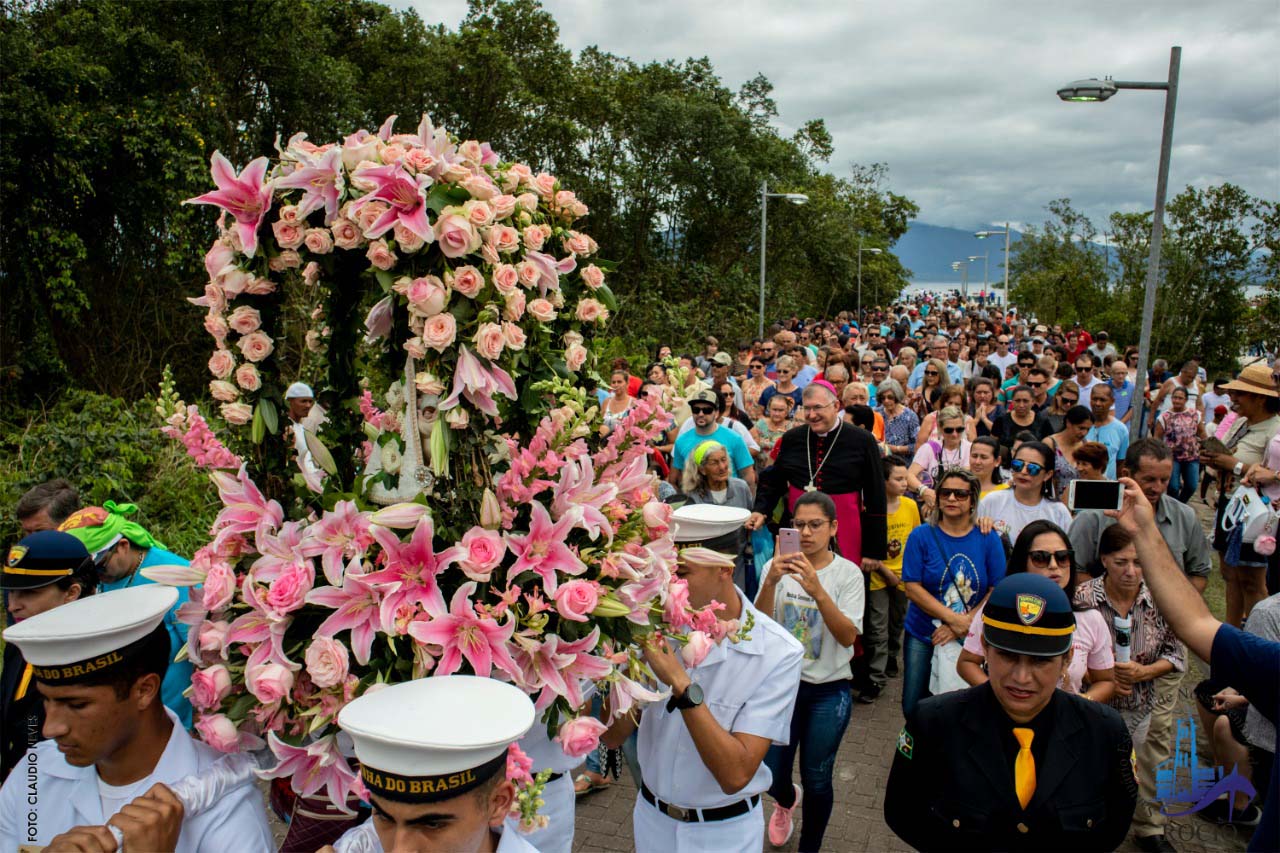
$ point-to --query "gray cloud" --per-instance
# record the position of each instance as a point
(958, 98)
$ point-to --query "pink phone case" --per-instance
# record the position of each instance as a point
(788, 541)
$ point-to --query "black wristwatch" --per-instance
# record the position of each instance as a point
(691, 698)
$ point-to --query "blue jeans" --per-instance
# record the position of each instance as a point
(818, 722)
(1183, 481)
(917, 666)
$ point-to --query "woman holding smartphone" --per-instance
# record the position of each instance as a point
(818, 596)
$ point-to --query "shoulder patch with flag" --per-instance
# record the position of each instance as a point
(905, 744)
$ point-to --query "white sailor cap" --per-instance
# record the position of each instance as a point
(435, 738)
(701, 522)
(298, 390)
(77, 641)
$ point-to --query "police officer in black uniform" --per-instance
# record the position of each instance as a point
(1016, 763)
(44, 570)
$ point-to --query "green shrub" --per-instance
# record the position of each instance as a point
(109, 449)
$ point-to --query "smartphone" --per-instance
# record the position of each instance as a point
(788, 541)
(1095, 494)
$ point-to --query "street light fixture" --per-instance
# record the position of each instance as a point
(860, 253)
(1101, 90)
(982, 235)
(983, 256)
(765, 195)
(962, 267)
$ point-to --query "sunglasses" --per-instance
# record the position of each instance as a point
(1084, 370)
(1071, 401)
(952, 430)
(1041, 559)
(954, 494)
(757, 367)
(1035, 384)
(1032, 468)
(879, 368)
(702, 410)
(931, 373)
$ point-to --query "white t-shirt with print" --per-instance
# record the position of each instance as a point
(1010, 516)
(796, 611)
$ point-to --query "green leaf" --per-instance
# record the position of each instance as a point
(258, 430)
(269, 415)
(605, 295)
(385, 280)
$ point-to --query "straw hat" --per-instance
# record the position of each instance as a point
(1256, 379)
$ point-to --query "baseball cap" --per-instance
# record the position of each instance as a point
(722, 358)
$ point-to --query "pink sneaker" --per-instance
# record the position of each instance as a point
(780, 824)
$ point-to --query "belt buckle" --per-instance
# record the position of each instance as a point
(678, 813)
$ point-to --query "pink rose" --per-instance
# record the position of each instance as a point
(504, 239)
(489, 341)
(215, 299)
(468, 281)
(219, 585)
(724, 627)
(327, 662)
(236, 414)
(346, 234)
(452, 173)
(223, 391)
(358, 147)
(288, 234)
(260, 286)
(221, 363)
(392, 152)
(319, 241)
(211, 637)
(288, 591)
(657, 517)
(527, 202)
(479, 186)
(247, 377)
(209, 687)
(420, 160)
(575, 356)
(542, 310)
(289, 214)
(439, 332)
(529, 273)
(592, 311)
(470, 151)
(482, 551)
(415, 347)
(503, 205)
(514, 308)
(369, 213)
(544, 185)
(697, 645)
(380, 255)
(311, 272)
(592, 276)
(677, 603)
(244, 320)
(219, 257)
(513, 336)
(517, 174)
(455, 236)
(580, 736)
(426, 295)
(218, 732)
(428, 383)
(268, 682)
(576, 599)
(256, 346)
(478, 213)
(216, 325)
(457, 418)
(580, 244)
(505, 278)
(407, 240)
(533, 238)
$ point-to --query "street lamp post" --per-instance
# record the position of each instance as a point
(962, 267)
(869, 252)
(982, 235)
(765, 195)
(983, 256)
(1100, 90)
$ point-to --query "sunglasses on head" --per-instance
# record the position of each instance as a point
(1040, 559)
(1032, 468)
(954, 494)
(702, 410)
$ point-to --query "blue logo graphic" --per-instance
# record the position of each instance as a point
(1203, 784)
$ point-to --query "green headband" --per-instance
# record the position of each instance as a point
(700, 452)
(101, 527)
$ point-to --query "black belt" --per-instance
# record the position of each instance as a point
(554, 776)
(684, 815)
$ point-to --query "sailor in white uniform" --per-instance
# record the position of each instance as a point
(99, 663)
(433, 754)
(702, 752)
(559, 804)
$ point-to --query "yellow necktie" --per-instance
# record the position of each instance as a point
(1024, 767)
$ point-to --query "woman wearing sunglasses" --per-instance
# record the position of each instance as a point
(948, 568)
(934, 457)
(933, 383)
(754, 386)
(931, 426)
(1043, 549)
(1029, 497)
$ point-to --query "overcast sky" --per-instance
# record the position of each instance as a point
(959, 98)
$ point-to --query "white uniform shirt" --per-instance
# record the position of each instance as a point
(748, 687)
(558, 796)
(45, 796)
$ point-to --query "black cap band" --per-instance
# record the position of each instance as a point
(429, 789)
(91, 669)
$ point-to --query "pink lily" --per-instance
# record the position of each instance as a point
(625, 693)
(401, 515)
(247, 510)
(405, 193)
(322, 181)
(410, 572)
(341, 534)
(560, 668)
(377, 324)
(356, 606)
(471, 379)
(245, 196)
(550, 270)
(542, 551)
(319, 764)
(576, 492)
(460, 632)
(279, 550)
(173, 575)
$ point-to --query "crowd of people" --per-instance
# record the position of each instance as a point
(897, 492)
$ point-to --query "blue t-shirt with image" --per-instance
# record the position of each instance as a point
(976, 565)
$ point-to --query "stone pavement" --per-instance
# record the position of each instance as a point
(862, 769)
